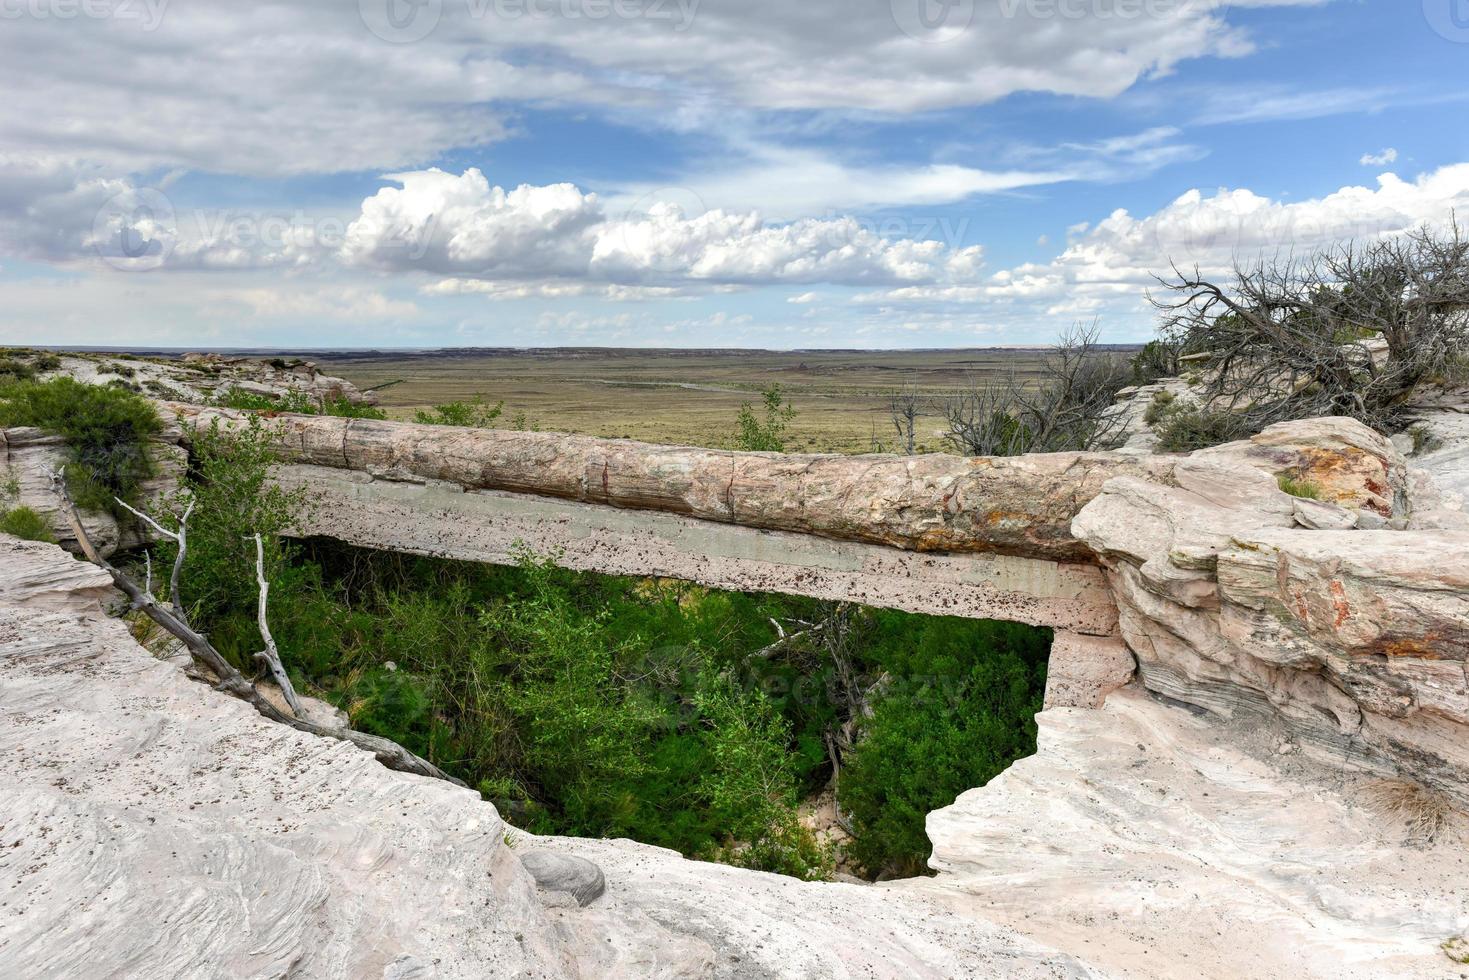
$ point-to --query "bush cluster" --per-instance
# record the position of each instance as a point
(106, 429)
(296, 403)
(26, 524)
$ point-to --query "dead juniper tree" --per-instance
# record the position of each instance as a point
(1064, 409)
(171, 618)
(904, 407)
(831, 642)
(1349, 330)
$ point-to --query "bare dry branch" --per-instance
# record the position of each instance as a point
(904, 408)
(1065, 409)
(230, 680)
(179, 538)
(270, 655)
(1351, 330)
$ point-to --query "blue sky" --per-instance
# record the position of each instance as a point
(902, 173)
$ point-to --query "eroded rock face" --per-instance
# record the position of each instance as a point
(1357, 638)
(1171, 844)
(1083, 670)
(30, 456)
(151, 826)
(1344, 460)
(201, 378)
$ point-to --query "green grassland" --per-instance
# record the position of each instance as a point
(681, 397)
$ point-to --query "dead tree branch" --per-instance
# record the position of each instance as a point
(230, 680)
(1351, 330)
(1065, 409)
(270, 655)
(181, 539)
(904, 408)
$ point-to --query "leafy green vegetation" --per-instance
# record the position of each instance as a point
(1298, 487)
(1158, 359)
(298, 403)
(765, 434)
(1187, 428)
(233, 500)
(26, 524)
(1159, 407)
(106, 431)
(960, 707)
(605, 706)
(473, 414)
(12, 369)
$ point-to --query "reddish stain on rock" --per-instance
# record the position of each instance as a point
(1339, 603)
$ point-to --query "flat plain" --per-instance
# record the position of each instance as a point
(683, 396)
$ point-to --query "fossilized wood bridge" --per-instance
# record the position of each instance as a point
(1219, 587)
(980, 538)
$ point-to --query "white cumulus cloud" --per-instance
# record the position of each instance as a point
(1111, 264)
(464, 229)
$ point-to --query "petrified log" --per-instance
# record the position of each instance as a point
(1018, 506)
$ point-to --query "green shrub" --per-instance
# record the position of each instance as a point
(228, 482)
(106, 431)
(45, 362)
(294, 402)
(13, 370)
(959, 709)
(473, 414)
(26, 524)
(1158, 408)
(767, 434)
(751, 786)
(1187, 429)
(342, 407)
(1158, 359)
(1298, 487)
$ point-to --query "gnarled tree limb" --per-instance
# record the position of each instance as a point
(231, 681)
(180, 538)
(270, 654)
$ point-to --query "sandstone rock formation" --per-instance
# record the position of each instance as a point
(1212, 817)
(1166, 844)
(154, 827)
(30, 456)
(201, 378)
(1357, 639)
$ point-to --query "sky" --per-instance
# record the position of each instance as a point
(695, 173)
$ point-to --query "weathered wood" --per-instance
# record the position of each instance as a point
(230, 680)
(936, 503)
(179, 538)
(271, 655)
